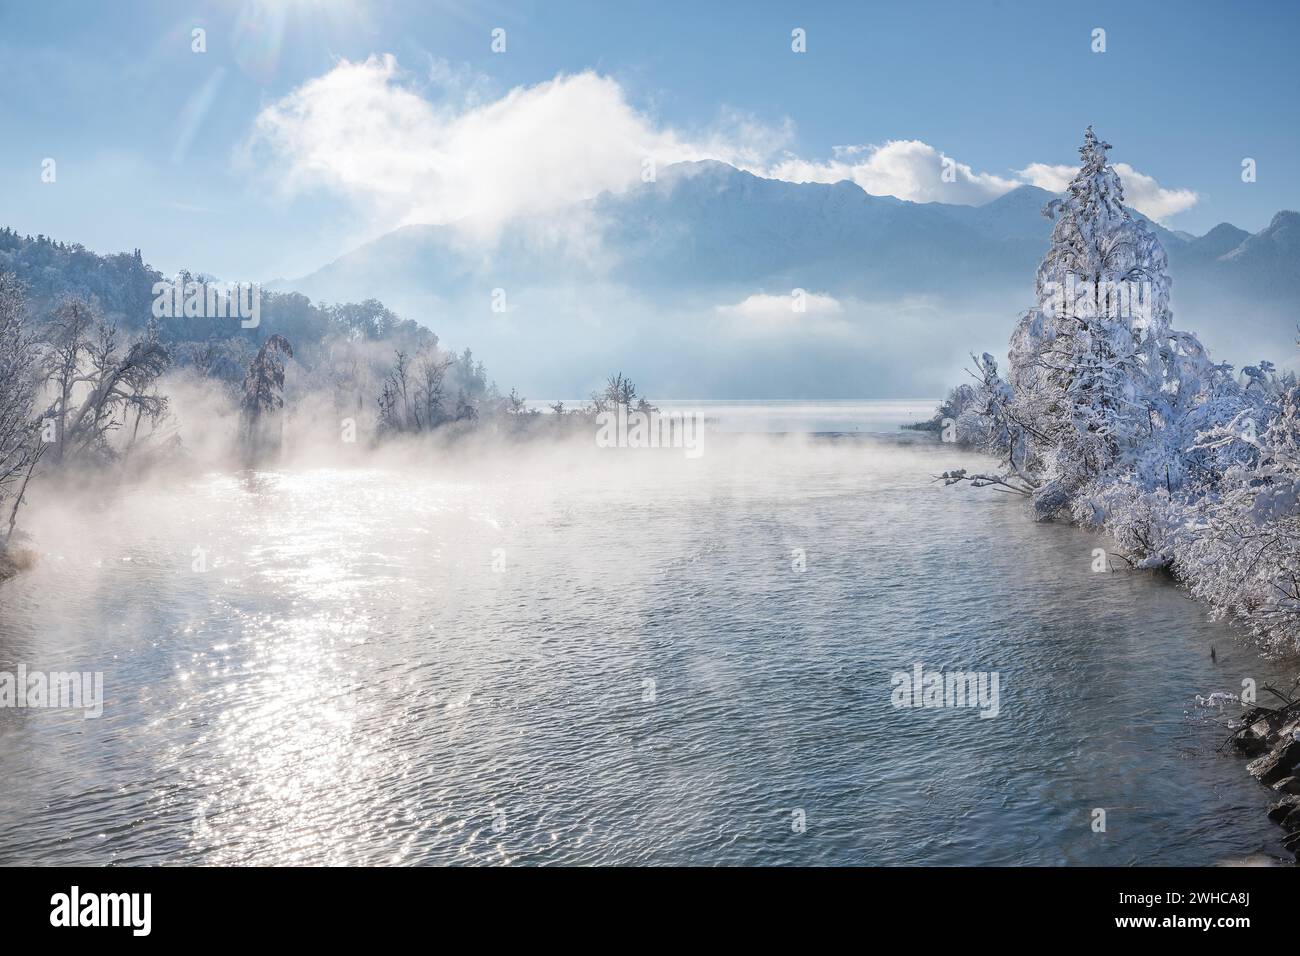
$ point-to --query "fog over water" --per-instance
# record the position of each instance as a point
(553, 653)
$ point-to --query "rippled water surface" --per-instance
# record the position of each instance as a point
(571, 655)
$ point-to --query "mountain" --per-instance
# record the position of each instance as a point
(708, 224)
(705, 224)
(687, 282)
(1219, 241)
(1269, 257)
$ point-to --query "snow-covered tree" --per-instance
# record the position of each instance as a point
(98, 382)
(20, 444)
(1085, 361)
(1111, 417)
(415, 395)
(263, 393)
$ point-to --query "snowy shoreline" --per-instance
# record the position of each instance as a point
(1110, 418)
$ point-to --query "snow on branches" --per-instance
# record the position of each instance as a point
(1110, 417)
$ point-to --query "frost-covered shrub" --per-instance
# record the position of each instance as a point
(1244, 556)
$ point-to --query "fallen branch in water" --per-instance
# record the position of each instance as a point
(984, 480)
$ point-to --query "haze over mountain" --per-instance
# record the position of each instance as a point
(688, 283)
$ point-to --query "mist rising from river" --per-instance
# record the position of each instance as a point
(546, 652)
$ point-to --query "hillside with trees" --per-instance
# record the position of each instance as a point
(86, 366)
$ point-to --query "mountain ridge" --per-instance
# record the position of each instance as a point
(1015, 216)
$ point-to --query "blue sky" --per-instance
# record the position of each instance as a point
(309, 126)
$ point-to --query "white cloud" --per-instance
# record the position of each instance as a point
(1141, 191)
(1052, 178)
(440, 149)
(1148, 197)
(764, 314)
(363, 129)
(911, 169)
(908, 169)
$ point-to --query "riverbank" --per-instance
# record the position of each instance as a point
(1271, 735)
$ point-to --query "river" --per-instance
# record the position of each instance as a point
(557, 654)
